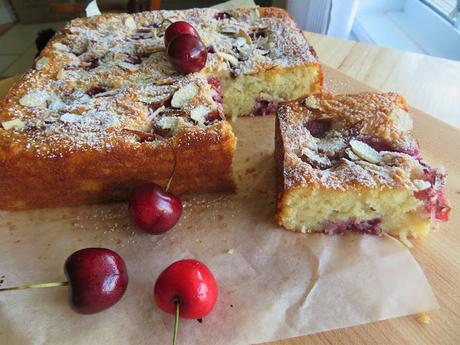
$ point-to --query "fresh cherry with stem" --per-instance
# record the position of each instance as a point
(153, 209)
(187, 289)
(97, 279)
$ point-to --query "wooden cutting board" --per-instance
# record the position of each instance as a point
(438, 253)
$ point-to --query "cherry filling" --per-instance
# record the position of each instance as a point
(140, 36)
(318, 128)
(155, 105)
(222, 15)
(263, 108)
(95, 90)
(434, 197)
(90, 64)
(378, 143)
(213, 117)
(257, 34)
(134, 59)
(215, 83)
(371, 227)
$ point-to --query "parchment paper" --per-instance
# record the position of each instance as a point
(276, 284)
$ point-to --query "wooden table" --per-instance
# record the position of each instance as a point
(432, 85)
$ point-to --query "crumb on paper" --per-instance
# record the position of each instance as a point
(423, 318)
(231, 251)
(250, 171)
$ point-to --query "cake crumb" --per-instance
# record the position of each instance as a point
(231, 251)
(423, 318)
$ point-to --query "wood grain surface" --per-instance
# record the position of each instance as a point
(430, 84)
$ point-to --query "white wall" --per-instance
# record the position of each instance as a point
(6, 12)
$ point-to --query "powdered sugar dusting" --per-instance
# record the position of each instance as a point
(107, 78)
(326, 158)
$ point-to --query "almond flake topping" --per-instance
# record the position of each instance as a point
(130, 23)
(15, 123)
(183, 96)
(421, 184)
(41, 63)
(364, 151)
(199, 113)
(34, 99)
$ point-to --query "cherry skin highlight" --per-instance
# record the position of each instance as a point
(97, 279)
(177, 29)
(153, 209)
(191, 284)
(187, 53)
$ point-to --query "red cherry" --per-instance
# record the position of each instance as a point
(190, 284)
(179, 28)
(153, 209)
(97, 279)
(187, 53)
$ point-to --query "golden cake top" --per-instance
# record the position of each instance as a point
(352, 141)
(107, 78)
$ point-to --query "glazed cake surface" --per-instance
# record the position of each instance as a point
(351, 163)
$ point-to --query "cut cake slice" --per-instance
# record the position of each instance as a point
(351, 163)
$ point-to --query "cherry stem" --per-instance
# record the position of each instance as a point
(176, 322)
(174, 168)
(35, 286)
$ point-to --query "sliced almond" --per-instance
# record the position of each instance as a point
(171, 122)
(167, 81)
(254, 14)
(401, 120)
(128, 67)
(60, 47)
(34, 99)
(70, 118)
(364, 151)
(246, 37)
(229, 58)
(311, 102)
(351, 155)
(130, 23)
(229, 30)
(199, 113)
(15, 123)
(183, 96)
(421, 184)
(156, 112)
(41, 63)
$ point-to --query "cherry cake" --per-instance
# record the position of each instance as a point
(103, 110)
(351, 163)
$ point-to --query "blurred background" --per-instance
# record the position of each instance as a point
(430, 27)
